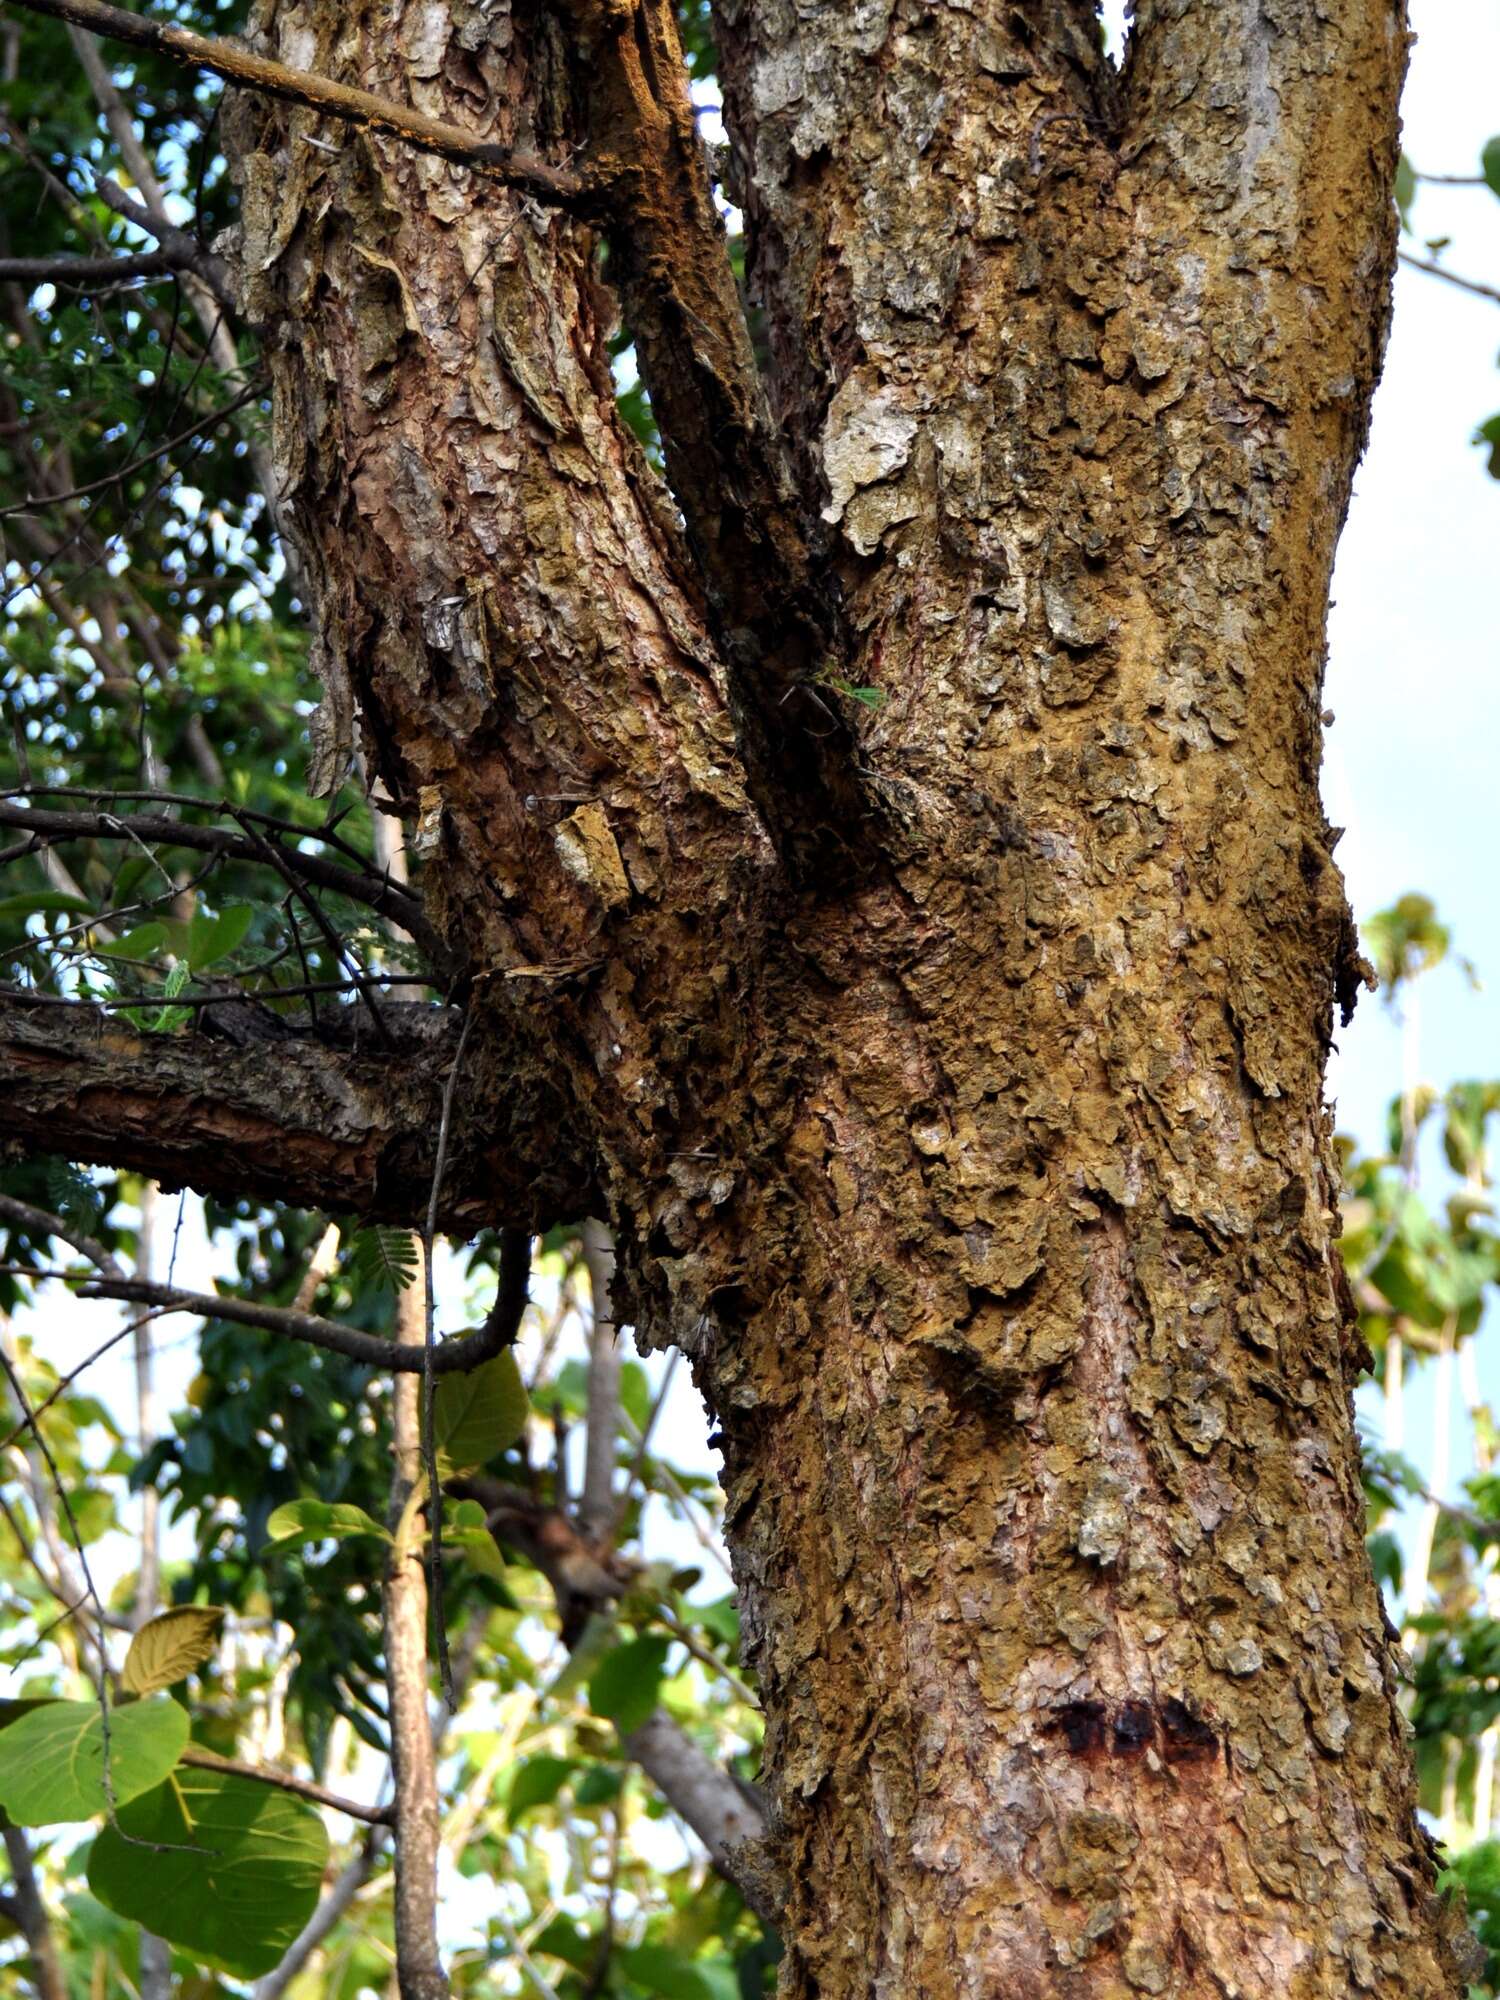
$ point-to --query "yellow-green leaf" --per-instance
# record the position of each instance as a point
(170, 1646)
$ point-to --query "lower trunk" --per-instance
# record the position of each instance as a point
(1044, 1494)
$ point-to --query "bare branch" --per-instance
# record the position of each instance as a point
(418, 1825)
(361, 885)
(30, 1914)
(1436, 270)
(183, 248)
(241, 66)
(284, 1781)
(726, 1819)
(369, 1349)
(86, 270)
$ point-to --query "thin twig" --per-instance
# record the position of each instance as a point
(66, 270)
(429, 1382)
(146, 458)
(204, 1760)
(1435, 270)
(18, 1390)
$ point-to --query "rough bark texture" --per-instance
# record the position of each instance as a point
(987, 1178)
(343, 1126)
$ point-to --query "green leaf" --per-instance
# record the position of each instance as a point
(1406, 188)
(318, 1521)
(1489, 164)
(477, 1547)
(537, 1783)
(626, 1686)
(169, 1646)
(662, 1971)
(481, 1412)
(241, 1894)
(139, 943)
(52, 1760)
(213, 938)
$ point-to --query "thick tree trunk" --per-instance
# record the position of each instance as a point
(972, 1144)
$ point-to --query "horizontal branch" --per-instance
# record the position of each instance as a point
(377, 892)
(304, 1121)
(369, 1349)
(557, 185)
(86, 270)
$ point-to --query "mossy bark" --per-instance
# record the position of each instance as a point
(960, 1111)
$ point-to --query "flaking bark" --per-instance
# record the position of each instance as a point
(989, 1186)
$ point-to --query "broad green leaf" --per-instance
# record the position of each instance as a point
(594, 1642)
(213, 938)
(477, 1547)
(141, 942)
(318, 1521)
(52, 1760)
(465, 1533)
(48, 902)
(481, 1412)
(169, 1646)
(665, 1972)
(1489, 163)
(626, 1685)
(537, 1783)
(241, 1894)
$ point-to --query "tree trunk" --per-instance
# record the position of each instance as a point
(935, 975)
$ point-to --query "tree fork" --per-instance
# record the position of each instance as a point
(991, 1191)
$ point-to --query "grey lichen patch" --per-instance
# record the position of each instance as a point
(867, 439)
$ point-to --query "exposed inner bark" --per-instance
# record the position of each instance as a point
(990, 1186)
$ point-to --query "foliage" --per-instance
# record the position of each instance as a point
(1408, 184)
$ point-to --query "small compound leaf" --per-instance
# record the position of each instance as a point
(626, 1685)
(168, 1647)
(318, 1521)
(233, 1873)
(1489, 164)
(52, 1759)
(481, 1412)
(385, 1258)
